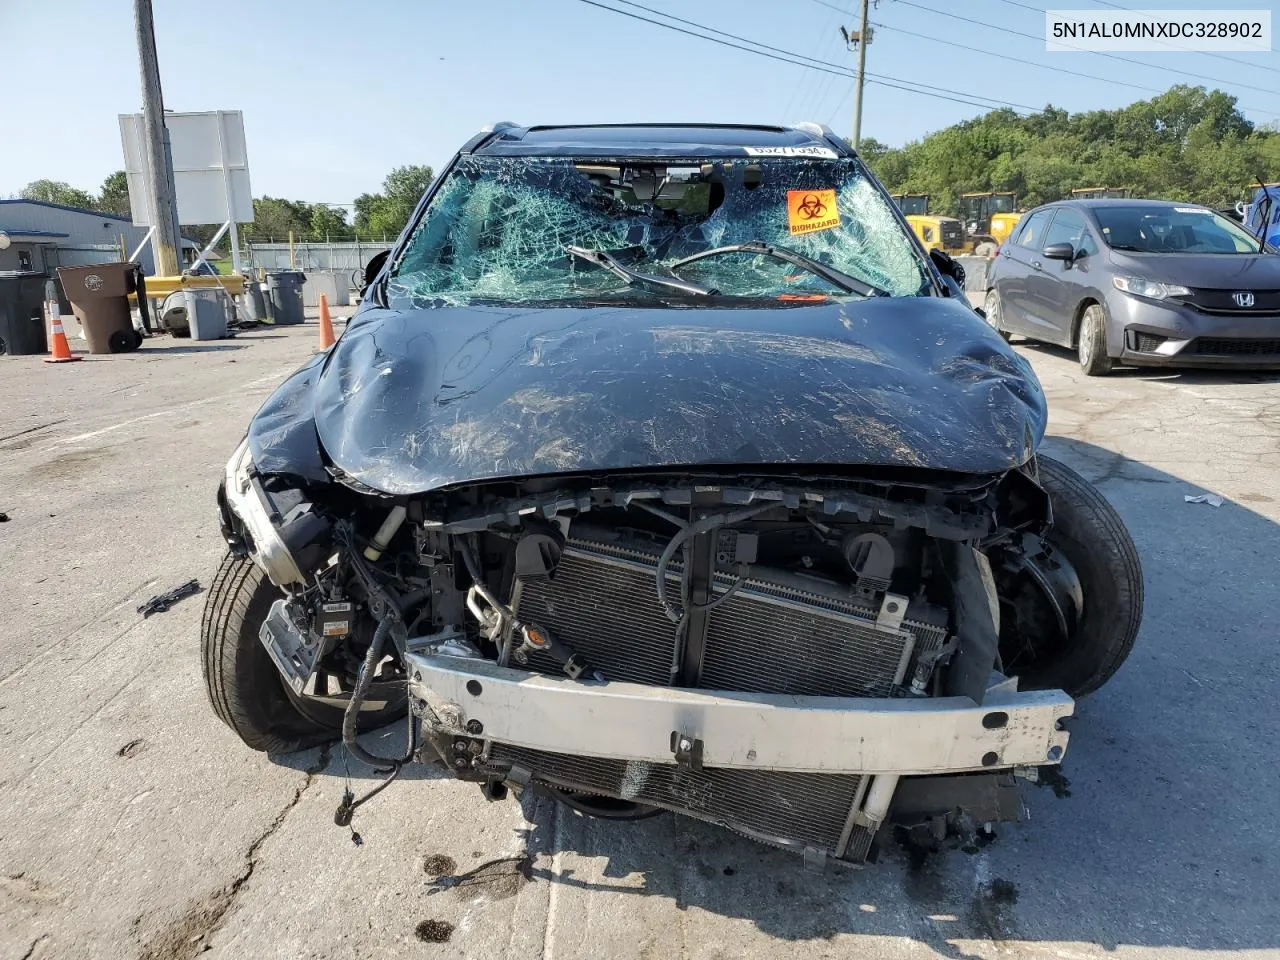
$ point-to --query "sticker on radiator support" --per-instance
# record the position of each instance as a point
(809, 211)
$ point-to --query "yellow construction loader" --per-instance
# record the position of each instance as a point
(989, 219)
(935, 232)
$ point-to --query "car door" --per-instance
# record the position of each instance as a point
(1015, 269)
(1056, 287)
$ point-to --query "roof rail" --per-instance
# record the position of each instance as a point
(500, 125)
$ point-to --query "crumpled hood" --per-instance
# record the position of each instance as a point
(410, 401)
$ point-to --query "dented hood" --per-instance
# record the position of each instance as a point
(410, 401)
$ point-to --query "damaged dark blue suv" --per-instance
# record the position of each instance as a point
(662, 469)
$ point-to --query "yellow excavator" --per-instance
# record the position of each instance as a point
(989, 218)
(934, 232)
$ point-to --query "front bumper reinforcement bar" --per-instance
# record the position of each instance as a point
(629, 721)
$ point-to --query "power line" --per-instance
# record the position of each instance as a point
(1109, 56)
(800, 60)
(1005, 56)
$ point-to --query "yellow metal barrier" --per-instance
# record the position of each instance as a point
(159, 287)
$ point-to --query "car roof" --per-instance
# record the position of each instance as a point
(1120, 202)
(676, 140)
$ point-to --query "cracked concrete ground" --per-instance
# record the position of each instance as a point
(133, 824)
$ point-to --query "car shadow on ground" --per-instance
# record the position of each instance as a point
(335, 760)
(1189, 375)
(1161, 832)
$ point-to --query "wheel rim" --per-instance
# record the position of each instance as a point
(992, 307)
(1086, 340)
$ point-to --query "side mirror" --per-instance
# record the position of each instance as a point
(1059, 251)
(373, 268)
(947, 265)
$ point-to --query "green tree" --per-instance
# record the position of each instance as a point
(386, 213)
(274, 218)
(328, 222)
(55, 191)
(114, 197)
(1187, 143)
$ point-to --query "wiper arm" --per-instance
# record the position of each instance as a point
(837, 277)
(608, 262)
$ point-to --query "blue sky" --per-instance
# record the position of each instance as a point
(335, 92)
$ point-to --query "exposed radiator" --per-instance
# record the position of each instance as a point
(602, 602)
(769, 637)
(788, 809)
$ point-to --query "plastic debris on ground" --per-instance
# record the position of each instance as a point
(1212, 499)
(163, 601)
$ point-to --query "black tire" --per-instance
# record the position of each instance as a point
(1092, 538)
(993, 311)
(121, 342)
(1091, 342)
(245, 688)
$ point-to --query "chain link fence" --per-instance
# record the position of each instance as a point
(345, 256)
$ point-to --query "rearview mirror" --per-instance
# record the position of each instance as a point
(1059, 251)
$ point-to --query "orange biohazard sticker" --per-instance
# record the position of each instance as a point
(811, 210)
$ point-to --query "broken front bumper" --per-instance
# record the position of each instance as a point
(745, 731)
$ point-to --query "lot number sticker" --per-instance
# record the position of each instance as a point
(811, 210)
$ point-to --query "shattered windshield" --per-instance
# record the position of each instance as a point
(497, 230)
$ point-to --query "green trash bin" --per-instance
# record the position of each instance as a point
(22, 313)
(99, 295)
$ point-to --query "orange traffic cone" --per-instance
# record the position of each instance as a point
(60, 349)
(327, 338)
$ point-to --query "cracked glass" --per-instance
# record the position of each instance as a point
(496, 231)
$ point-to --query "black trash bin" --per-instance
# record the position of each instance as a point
(22, 313)
(285, 290)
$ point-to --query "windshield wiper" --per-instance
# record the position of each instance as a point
(609, 262)
(837, 277)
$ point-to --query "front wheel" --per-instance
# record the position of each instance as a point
(1069, 618)
(995, 314)
(1092, 343)
(245, 688)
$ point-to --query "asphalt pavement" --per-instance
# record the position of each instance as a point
(134, 824)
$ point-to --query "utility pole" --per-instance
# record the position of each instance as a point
(858, 40)
(163, 213)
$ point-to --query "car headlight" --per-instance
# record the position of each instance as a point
(1152, 289)
(247, 501)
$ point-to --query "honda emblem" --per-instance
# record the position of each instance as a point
(1243, 299)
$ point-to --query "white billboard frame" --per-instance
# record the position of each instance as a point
(210, 169)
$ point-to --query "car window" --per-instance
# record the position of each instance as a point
(1033, 229)
(1169, 228)
(496, 230)
(1067, 227)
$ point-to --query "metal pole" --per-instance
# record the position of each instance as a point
(163, 213)
(226, 189)
(862, 66)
